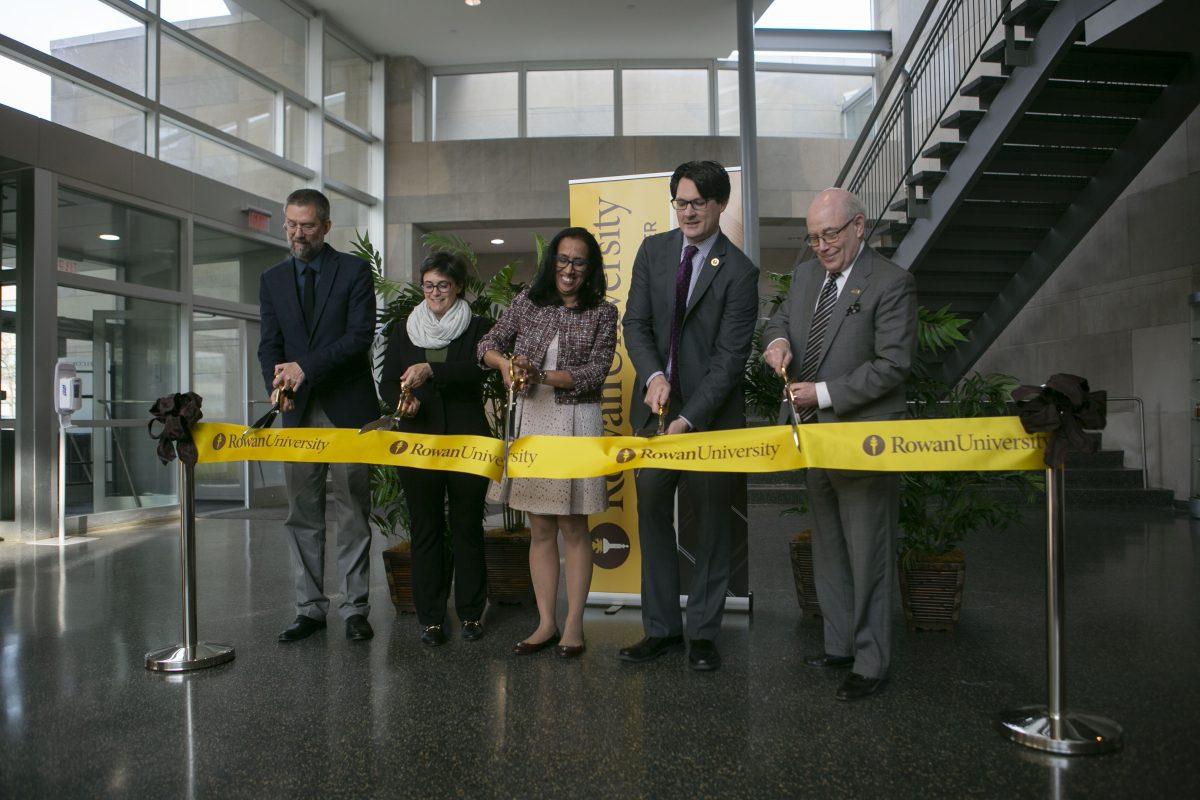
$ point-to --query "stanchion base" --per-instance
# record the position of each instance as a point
(1076, 734)
(177, 658)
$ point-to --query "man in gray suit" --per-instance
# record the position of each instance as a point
(688, 321)
(851, 319)
(318, 323)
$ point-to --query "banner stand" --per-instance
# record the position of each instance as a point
(189, 654)
(1050, 727)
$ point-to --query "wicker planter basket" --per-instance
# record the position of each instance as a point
(931, 592)
(802, 572)
(506, 554)
(397, 562)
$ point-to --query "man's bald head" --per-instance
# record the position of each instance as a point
(838, 218)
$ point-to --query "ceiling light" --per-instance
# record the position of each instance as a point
(109, 237)
(497, 241)
(472, 3)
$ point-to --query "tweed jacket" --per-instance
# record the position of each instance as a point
(586, 342)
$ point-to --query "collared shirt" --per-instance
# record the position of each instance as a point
(823, 398)
(299, 266)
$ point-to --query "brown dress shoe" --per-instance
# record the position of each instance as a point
(569, 650)
(529, 648)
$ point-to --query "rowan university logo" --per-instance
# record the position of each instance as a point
(218, 441)
(873, 445)
(624, 455)
(398, 447)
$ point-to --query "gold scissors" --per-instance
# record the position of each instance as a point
(662, 420)
(391, 422)
(512, 414)
(791, 404)
(266, 420)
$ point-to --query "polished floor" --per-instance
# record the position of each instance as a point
(390, 718)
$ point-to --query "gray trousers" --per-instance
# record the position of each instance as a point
(305, 527)
(713, 495)
(857, 516)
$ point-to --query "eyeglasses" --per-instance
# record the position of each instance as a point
(680, 204)
(440, 286)
(562, 262)
(306, 227)
(828, 237)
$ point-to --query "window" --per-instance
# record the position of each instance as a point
(272, 39)
(346, 157)
(199, 154)
(665, 102)
(212, 93)
(116, 242)
(570, 103)
(88, 34)
(792, 103)
(70, 104)
(347, 84)
(478, 106)
(228, 267)
(349, 217)
(295, 133)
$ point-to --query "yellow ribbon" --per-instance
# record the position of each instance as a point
(943, 445)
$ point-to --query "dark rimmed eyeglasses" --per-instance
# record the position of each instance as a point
(828, 237)
(679, 204)
(562, 262)
(440, 286)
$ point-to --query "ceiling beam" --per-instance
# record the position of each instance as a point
(823, 41)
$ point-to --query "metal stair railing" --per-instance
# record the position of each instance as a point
(936, 60)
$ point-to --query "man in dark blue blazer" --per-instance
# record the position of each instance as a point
(318, 324)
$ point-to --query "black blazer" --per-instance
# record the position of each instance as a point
(336, 358)
(451, 400)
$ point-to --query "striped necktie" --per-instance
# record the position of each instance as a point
(816, 337)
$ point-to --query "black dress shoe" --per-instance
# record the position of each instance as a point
(826, 660)
(302, 628)
(650, 647)
(856, 687)
(358, 629)
(703, 655)
(472, 629)
(433, 635)
(524, 648)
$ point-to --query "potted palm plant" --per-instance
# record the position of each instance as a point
(939, 509)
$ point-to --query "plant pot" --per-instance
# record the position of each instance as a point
(931, 591)
(802, 573)
(506, 554)
(397, 563)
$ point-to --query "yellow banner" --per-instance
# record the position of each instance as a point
(476, 455)
(944, 445)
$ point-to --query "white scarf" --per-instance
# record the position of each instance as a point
(430, 333)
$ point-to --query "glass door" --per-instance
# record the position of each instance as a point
(218, 352)
(8, 348)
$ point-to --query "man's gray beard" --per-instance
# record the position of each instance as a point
(306, 251)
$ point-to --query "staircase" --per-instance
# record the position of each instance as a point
(983, 183)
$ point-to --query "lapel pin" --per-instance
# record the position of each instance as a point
(853, 309)
(716, 262)
(856, 291)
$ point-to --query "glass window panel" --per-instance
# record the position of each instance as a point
(347, 84)
(228, 267)
(202, 88)
(570, 102)
(72, 105)
(126, 351)
(793, 103)
(349, 217)
(271, 39)
(86, 33)
(345, 157)
(664, 102)
(191, 151)
(218, 377)
(480, 106)
(295, 132)
(145, 249)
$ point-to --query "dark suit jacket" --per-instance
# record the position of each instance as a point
(336, 358)
(715, 341)
(451, 400)
(868, 347)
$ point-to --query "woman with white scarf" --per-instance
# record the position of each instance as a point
(433, 354)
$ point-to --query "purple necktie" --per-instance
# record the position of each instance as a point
(683, 282)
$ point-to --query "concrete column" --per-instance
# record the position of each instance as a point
(747, 111)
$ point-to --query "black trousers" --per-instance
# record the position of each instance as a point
(426, 492)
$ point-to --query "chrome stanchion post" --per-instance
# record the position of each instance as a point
(189, 654)
(1050, 727)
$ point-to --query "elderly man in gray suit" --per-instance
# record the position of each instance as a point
(688, 321)
(851, 316)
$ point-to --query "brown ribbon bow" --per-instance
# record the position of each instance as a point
(1065, 407)
(177, 413)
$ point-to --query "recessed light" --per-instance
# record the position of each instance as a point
(109, 237)
(497, 241)
(472, 3)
